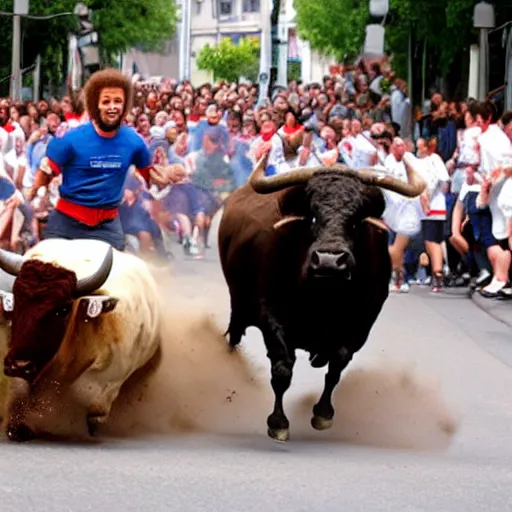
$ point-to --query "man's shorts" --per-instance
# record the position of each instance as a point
(481, 221)
(433, 230)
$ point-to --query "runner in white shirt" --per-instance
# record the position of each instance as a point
(363, 151)
(402, 214)
(433, 202)
(489, 224)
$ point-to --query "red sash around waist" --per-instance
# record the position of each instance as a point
(85, 214)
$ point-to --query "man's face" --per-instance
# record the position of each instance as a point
(4, 115)
(212, 114)
(52, 122)
(111, 107)
(398, 149)
(356, 127)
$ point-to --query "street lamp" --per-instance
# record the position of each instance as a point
(483, 19)
(20, 9)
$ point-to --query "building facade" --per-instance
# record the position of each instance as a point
(294, 52)
(212, 20)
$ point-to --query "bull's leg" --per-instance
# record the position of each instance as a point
(323, 411)
(281, 367)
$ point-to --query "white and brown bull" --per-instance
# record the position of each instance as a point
(83, 316)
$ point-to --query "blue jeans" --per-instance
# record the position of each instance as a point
(64, 226)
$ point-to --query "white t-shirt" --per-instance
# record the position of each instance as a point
(363, 152)
(276, 156)
(434, 172)
(16, 162)
(346, 149)
(468, 149)
(396, 169)
(495, 149)
(402, 214)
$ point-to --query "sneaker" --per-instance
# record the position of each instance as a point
(404, 288)
(437, 283)
(483, 279)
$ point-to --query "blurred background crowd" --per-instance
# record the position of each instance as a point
(456, 234)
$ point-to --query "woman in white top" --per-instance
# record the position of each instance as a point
(433, 202)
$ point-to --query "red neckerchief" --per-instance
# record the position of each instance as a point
(8, 127)
(72, 116)
(267, 136)
(291, 130)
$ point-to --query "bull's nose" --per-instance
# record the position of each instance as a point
(20, 369)
(338, 263)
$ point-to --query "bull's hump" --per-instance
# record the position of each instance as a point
(83, 257)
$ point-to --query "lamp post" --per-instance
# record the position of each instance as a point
(483, 19)
(20, 9)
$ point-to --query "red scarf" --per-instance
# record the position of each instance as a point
(8, 127)
(290, 130)
(267, 136)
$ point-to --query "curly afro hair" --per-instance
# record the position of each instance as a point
(100, 80)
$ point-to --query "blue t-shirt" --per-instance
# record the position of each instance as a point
(93, 167)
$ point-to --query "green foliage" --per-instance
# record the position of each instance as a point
(294, 71)
(127, 23)
(336, 27)
(229, 61)
(121, 24)
(333, 27)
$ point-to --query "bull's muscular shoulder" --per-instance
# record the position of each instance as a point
(247, 213)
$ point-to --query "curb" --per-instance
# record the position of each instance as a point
(500, 310)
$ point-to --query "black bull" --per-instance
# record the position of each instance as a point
(305, 264)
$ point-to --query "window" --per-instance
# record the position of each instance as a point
(252, 5)
(225, 7)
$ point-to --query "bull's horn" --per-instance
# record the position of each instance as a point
(413, 188)
(265, 185)
(11, 262)
(92, 283)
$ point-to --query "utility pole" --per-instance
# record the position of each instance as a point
(21, 8)
(483, 19)
(184, 39)
(265, 52)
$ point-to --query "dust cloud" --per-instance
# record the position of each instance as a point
(196, 384)
(389, 406)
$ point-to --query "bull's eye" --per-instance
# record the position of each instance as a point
(63, 311)
(313, 220)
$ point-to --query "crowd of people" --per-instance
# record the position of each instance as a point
(458, 233)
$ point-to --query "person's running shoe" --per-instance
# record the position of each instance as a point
(437, 283)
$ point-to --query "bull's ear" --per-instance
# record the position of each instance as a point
(95, 305)
(6, 307)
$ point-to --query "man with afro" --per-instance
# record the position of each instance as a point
(94, 159)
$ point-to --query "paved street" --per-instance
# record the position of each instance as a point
(423, 423)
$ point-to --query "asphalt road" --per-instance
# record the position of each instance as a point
(423, 423)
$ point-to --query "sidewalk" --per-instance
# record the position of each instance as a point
(499, 309)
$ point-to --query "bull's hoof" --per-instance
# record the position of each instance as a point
(94, 423)
(319, 423)
(279, 434)
(318, 360)
(20, 433)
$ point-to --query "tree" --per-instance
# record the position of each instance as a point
(121, 24)
(229, 61)
(333, 27)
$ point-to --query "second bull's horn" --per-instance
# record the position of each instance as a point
(92, 283)
(11, 262)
